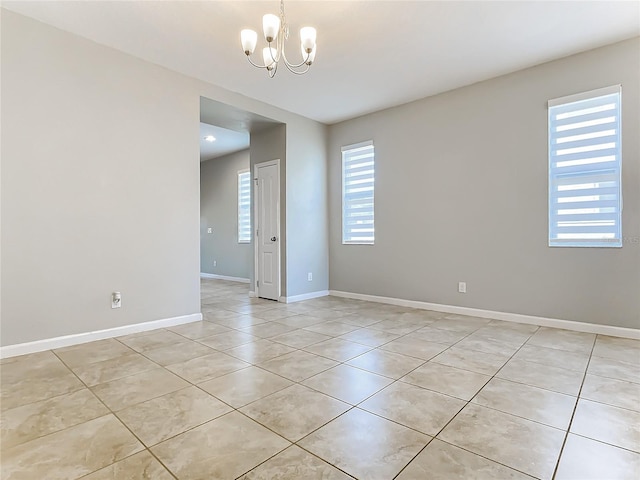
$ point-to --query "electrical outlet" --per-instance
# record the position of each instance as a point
(209, 230)
(309, 276)
(215, 264)
(116, 300)
(462, 287)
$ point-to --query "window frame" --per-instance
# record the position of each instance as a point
(240, 220)
(610, 173)
(345, 151)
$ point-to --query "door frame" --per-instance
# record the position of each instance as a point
(256, 226)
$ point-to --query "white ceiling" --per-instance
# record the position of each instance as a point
(227, 141)
(371, 54)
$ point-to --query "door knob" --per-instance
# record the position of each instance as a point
(273, 239)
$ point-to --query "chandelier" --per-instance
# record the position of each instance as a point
(276, 33)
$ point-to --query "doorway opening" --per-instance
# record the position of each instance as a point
(226, 251)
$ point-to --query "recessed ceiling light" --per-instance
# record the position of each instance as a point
(210, 138)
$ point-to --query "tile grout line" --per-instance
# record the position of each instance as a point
(606, 443)
(573, 413)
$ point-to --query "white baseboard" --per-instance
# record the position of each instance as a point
(304, 296)
(507, 317)
(224, 277)
(68, 340)
(252, 294)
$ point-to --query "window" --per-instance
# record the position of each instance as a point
(358, 169)
(585, 170)
(244, 207)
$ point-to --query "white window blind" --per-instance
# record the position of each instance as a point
(244, 207)
(585, 203)
(358, 172)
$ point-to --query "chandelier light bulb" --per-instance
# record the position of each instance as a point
(270, 27)
(308, 38)
(268, 55)
(249, 39)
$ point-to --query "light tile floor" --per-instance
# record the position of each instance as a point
(325, 389)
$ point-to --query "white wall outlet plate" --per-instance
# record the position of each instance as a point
(116, 300)
(462, 287)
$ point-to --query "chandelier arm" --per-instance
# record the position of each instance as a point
(255, 64)
(291, 65)
(279, 50)
(297, 72)
(272, 72)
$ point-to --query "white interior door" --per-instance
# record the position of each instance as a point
(267, 218)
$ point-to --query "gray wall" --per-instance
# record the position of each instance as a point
(307, 210)
(99, 187)
(100, 183)
(461, 195)
(219, 211)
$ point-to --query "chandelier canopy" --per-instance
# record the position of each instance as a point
(276, 33)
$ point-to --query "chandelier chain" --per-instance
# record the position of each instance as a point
(283, 20)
